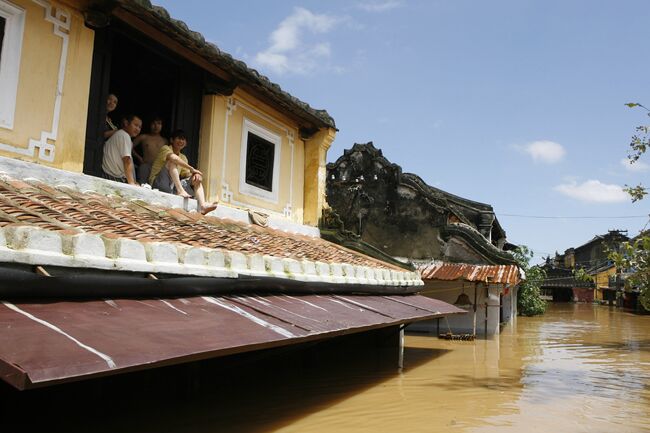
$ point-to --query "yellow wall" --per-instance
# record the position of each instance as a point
(569, 260)
(601, 280)
(315, 174)
(222, 122)
(34, 137)
(41, 55)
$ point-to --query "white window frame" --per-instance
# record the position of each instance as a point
(10, 61)
(252, 190)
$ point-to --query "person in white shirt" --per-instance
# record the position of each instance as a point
(117, 162)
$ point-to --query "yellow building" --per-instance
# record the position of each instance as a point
(600, 278)
(258, 147)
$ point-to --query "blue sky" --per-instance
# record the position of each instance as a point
(515, 103)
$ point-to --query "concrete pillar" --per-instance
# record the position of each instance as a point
(213, 118)
(315, 159)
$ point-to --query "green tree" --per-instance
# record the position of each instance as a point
(634, 256)
(529, 298)
(638, 146)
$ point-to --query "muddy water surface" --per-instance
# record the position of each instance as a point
(579, 368)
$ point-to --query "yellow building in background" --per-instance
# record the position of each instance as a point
(601, 281)
(258, 147)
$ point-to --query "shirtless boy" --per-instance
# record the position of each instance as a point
(151, 144)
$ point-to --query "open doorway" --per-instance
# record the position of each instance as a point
(149, 81)
(144, 82)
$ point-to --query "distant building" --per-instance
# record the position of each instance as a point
(399, 215)
(591, 257)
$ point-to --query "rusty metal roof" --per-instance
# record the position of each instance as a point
(498, 274)
(44, 343)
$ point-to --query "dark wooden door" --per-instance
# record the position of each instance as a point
(99, 85)
(187, 109)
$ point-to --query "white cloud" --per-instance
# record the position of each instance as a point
(289, 52)
(593, 191)
(549, 152)
(636, 167)
(380, 6)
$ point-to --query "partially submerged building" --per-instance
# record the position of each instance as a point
(399, 215)
(604, 282)
(99, 277)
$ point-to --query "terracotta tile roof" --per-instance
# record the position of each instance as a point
(498, 274)
(69, 212)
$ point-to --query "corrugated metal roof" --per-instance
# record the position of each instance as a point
(498, 274)
(43, 343)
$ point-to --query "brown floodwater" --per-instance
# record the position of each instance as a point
(578, 368)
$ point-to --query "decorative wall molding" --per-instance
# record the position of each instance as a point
(291, 137)
(232, 104)
(60, 19)
(226, 194)
(287, 211)
(251, 190)
(10, 61)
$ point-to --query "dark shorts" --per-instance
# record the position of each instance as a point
(144, 170)
(115, 179)
(164, 183)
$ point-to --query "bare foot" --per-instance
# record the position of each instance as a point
(207, 208)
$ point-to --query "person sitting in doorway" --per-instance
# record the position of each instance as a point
(117, 162)
(110, 127)
(171, 173)
(151, 144)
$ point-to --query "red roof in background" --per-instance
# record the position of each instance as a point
(497, 274)
(51, 342)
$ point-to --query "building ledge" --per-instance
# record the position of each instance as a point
(57, 218)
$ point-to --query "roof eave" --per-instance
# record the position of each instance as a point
(156, 22)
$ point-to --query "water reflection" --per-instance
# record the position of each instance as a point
(580, 368)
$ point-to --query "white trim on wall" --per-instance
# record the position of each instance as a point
(10, 61)
(60, 19)
(251, 190)
(226, 193)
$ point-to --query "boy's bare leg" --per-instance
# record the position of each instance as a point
(199, 194)
(176, 178)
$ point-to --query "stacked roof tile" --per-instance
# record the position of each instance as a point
(34, 215)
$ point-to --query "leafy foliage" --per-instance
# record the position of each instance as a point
(638, 146)
(634, 256)
(581, 275)
(529, 299)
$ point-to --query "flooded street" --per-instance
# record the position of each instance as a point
(579, 368)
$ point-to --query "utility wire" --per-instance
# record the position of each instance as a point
(572, 217)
